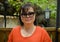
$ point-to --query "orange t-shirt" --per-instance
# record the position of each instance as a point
(40, 35)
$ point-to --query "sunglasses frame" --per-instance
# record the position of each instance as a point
(30, 14)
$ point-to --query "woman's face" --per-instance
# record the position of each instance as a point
(29, 16)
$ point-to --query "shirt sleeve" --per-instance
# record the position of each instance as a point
(10, 37)
(46, 37)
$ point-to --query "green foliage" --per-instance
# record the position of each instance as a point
(15, 4)
(51, 4)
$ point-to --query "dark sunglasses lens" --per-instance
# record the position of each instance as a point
(30, 13)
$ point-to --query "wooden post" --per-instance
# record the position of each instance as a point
(57, 19)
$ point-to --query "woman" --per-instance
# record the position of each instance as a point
(28, 31)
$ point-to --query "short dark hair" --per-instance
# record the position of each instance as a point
(25, 6)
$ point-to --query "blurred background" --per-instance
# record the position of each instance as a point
(9, 12)
(47, 17)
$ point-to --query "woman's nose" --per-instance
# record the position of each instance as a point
(27, 15)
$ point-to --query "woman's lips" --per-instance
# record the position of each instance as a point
(28, 19)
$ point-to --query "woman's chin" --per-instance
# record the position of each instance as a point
(27, 22)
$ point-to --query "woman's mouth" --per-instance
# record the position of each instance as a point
(28, 19)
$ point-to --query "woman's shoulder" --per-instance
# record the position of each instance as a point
(16, 28)
(41, 29)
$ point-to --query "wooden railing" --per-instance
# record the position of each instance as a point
(4, 32)
(52, 33)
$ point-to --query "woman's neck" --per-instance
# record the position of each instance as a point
(28, 27)
(27, 31)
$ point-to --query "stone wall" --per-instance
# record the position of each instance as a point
(1, 22)
(10, 22)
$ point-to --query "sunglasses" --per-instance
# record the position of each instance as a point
(30, 14)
